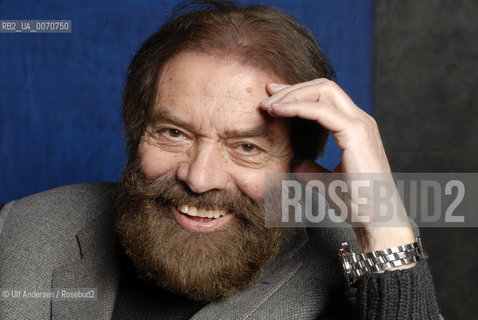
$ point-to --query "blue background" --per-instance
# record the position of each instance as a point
(60, 94)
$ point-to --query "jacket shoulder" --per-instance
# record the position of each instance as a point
(51, 213)
(54, 215)
(38, 234)
(74, 202)
(44, 226)
(71, 197)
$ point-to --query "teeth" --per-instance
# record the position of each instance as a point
(193, 211)
(199, 212)
(204, 213)
(184, 208)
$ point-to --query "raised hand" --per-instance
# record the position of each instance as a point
(356, 134)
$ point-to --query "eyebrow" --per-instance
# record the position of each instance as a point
(254, 132)
(166, 116)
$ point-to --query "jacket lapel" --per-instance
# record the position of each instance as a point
(97, 269)
(243, 304)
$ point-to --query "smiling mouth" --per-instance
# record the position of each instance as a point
(200, 219)
(199, 212)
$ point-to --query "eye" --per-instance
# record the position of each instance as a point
(249, 154)
(173, 133)
(247, 148)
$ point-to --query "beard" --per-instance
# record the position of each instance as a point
(203, 266)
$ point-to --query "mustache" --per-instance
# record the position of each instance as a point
(170, 190)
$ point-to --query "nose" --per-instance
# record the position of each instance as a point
(204, 170)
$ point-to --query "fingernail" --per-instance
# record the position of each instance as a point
(277, 104)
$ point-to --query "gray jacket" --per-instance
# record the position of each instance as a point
(64, 238)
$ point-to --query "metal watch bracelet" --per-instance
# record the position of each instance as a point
(357, 264)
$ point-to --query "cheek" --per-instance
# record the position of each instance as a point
(155, 162)
(252, 184)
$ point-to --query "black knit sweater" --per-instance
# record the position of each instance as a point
(392, 295)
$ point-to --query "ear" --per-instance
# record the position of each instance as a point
(304, 167)
(308, 166)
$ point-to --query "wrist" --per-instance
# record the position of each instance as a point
(398, 257)
(378, 238)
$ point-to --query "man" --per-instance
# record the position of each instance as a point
(216, 99)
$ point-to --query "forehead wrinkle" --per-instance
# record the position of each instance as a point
(226, 96)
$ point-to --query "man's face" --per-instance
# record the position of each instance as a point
(190, 208)
(210, 134)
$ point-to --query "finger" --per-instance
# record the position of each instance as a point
(316, 90)
(325, 91)
(329, 117)
(273, 88)
(266, 103)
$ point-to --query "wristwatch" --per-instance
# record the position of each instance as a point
(355, 265)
